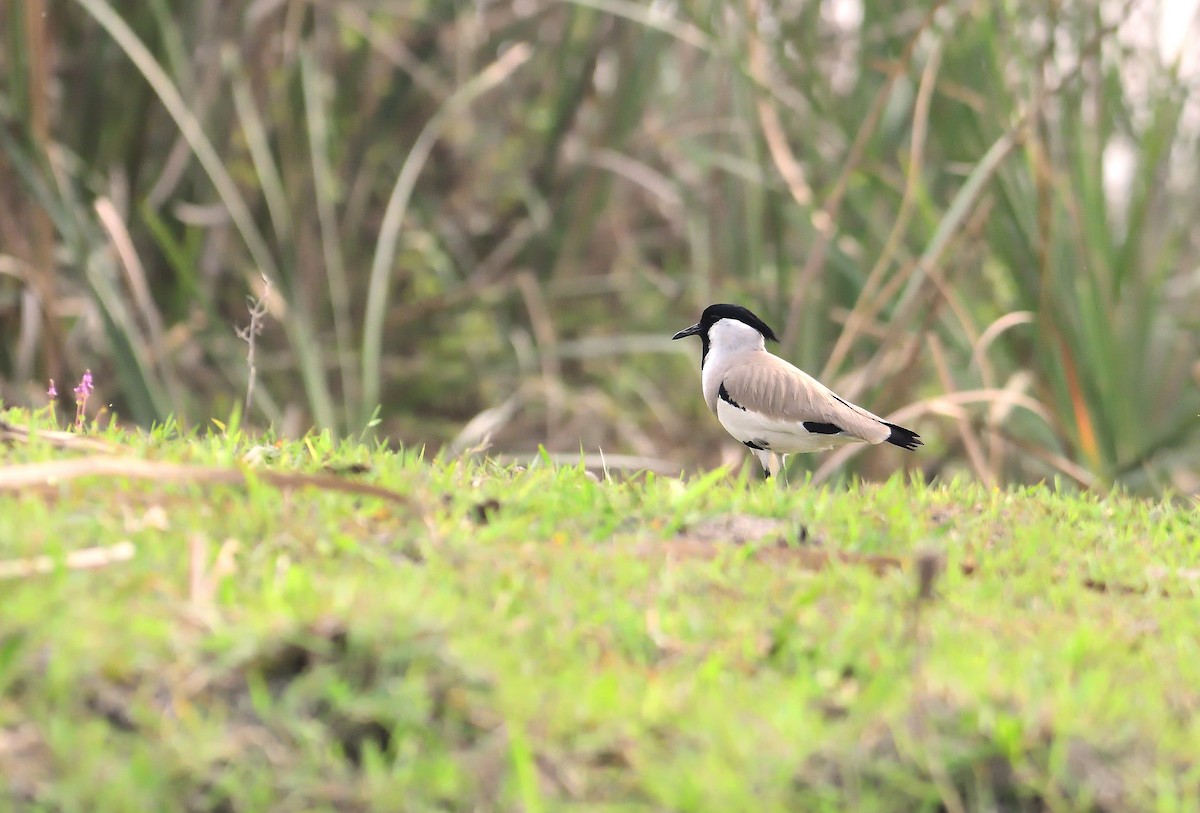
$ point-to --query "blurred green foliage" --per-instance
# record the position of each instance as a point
(977, 215)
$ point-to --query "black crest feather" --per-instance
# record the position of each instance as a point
(715, 313)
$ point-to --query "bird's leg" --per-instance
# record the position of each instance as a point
(783, 469)
(764, 458)
(774, 466)
(770, 464)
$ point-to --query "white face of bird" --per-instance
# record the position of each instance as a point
(733, 336)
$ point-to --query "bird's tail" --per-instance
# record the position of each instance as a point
(904, 438)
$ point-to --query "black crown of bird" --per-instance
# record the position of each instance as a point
(769, 405)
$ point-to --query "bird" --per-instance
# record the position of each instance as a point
(771, 406)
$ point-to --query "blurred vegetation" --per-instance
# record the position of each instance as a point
(975, 216)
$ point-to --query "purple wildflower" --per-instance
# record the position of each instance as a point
(84, 389)
(51, 392)
(82, 392)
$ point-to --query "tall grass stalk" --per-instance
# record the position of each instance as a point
(379, 282)
(295, 321)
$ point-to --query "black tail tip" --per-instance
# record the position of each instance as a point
(904, 438)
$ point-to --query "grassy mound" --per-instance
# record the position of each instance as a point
(331, 627)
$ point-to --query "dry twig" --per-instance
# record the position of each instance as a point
(27, 476)
(85, 559)
(249, 334)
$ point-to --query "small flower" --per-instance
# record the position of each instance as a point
(84, 389)
(51, 392)
(82, 392)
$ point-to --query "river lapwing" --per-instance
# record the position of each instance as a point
(771, 406)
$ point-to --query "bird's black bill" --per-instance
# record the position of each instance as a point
(687, 331)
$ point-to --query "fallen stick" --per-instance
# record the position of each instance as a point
(9, 433)
(85, 559)
(41, 475)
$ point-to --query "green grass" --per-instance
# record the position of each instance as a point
(541, 639)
